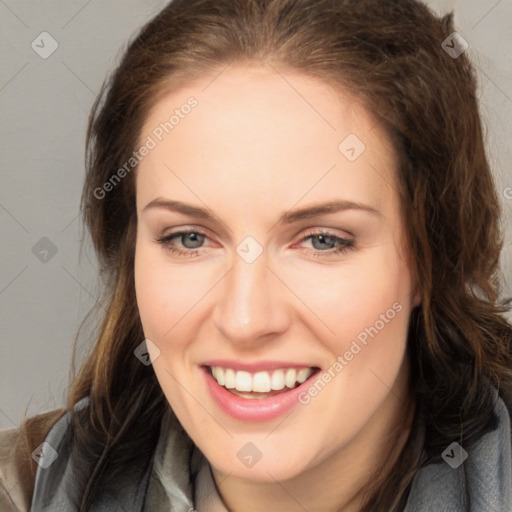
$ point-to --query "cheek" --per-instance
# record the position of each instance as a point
(163, 299)
(165, 293)
(151, 298)
(156, 294)
(372, 326)
(353, 297)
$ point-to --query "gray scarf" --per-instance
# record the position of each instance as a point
(178, 478)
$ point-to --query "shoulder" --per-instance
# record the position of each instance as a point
(17, 467)
(476, 477)
(64, 469)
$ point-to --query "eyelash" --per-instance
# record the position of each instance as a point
(346, 244)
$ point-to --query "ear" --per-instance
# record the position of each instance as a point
(416, 301)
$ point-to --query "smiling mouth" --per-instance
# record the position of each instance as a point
(262, 384)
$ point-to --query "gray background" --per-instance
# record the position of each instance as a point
(44, 106)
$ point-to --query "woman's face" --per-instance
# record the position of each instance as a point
(272, 287)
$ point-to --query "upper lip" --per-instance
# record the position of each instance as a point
(255, 366)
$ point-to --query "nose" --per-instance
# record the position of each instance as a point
(253, 305)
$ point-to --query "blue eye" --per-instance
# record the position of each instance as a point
(344, 244)
(193, 237)
(192, 240)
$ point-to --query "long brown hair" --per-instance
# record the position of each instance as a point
(389, 53)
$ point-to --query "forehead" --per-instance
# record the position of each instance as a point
(281, 135)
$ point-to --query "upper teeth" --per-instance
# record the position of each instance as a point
(261, 382)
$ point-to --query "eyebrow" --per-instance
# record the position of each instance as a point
(289, 217)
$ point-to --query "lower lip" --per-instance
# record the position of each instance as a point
(253, 409)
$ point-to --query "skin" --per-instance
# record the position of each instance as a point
(254, 148)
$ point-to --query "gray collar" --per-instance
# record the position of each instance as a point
(181, 479)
